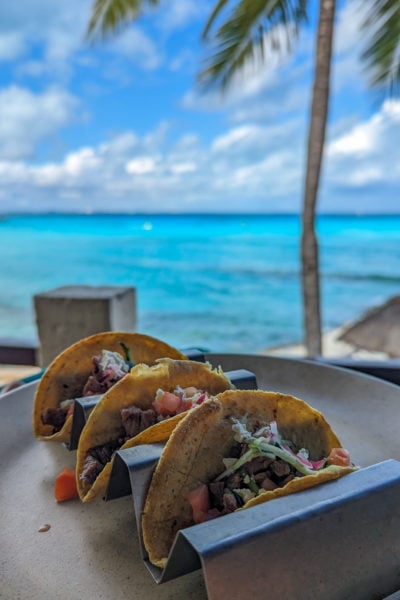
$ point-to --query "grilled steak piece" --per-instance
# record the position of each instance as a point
(96, 459)
(279, 469)
(55, 417)
(100, 380)
(91, 469)
(216, 490)
(104, 452)
(267, 484)
(234, 480)
(230, 501)
(259, 463)
(93, 387)
(135, 420)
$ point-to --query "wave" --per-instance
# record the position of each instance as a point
(267, 273)
(365, 277)
(285, 274)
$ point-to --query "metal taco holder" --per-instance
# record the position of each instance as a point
(280, 548)
(82, 409)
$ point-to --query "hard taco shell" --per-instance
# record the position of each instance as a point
(66, 376)
(194, 452)
(139, 388)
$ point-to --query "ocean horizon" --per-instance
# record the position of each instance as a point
(226, 282)
(90, 213)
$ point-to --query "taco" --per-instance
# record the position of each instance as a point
(89, 367)
(142, 408)
(237, 450)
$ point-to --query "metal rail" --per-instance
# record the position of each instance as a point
(19, 352)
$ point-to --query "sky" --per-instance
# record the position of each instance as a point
(122, 125)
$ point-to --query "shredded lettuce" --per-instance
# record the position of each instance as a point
(267, 441)
(127, 352)
(113, 361)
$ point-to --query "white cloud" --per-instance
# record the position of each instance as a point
(253, 166)
(370, 136)
(32, 68)
(12, 173)
(132, 173)
(391, 110)
(138, 48)
(28, 118)
(359, 141)
(120, 144)
(348, 27)
(141, 166)
(185, 58)
(179, 13)
(234, 136)
(362, 176)
(55, 30)
(369, 153)
(182, 168)
(12, 45)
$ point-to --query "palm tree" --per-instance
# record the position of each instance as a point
(315, 149)
(242, 37)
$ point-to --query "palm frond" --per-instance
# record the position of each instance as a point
(214, 14)
(241, 36)
(110, 16)
(382, 53)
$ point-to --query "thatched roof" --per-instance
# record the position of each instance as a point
(377, 330)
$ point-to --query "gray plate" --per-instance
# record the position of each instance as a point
(92, 550)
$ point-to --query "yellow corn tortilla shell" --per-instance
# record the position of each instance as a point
(66, 376)
(139, 388)
(194, 452)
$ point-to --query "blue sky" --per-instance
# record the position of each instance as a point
(122, 126)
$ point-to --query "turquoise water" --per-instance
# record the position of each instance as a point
(228, 283)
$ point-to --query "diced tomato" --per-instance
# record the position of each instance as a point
(191, 402)
(199, 499)
(65, 485)
(167, 404)
(339, 457)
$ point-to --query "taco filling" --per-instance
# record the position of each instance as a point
(92, 367)
(107, 368)
(259, 461)
(134, 420)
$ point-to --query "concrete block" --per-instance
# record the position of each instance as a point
(67, 314)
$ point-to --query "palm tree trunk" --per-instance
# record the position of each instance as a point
(316, 139)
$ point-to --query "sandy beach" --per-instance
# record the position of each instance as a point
(333, 347)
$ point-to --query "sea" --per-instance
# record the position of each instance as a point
(226, 283)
